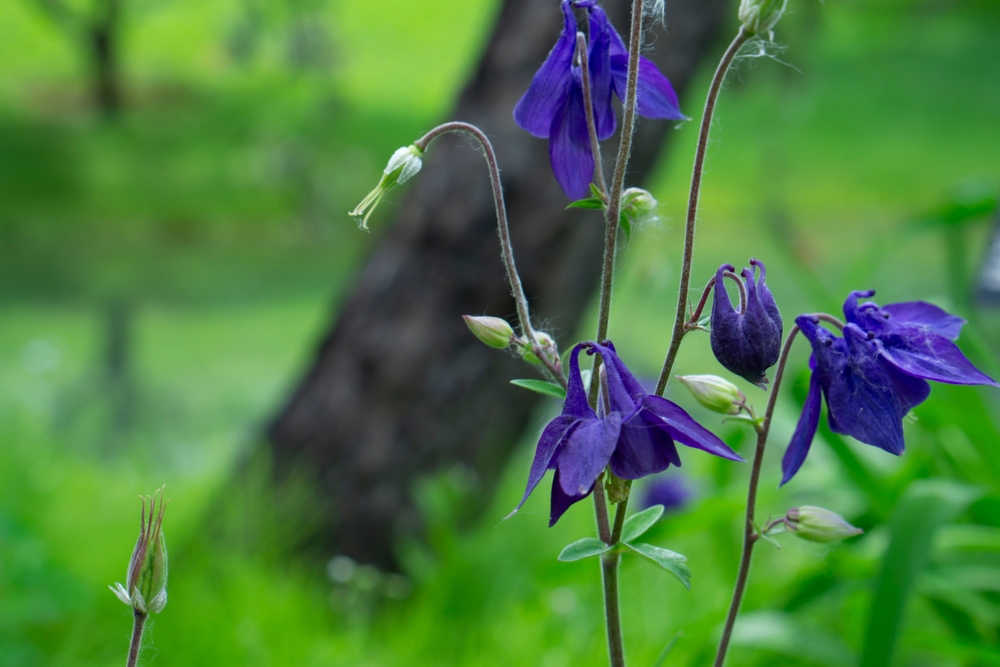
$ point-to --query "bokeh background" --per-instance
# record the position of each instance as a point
(167, 269)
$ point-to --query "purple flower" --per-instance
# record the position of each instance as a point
(633, 433)
(877, 372)
(746, 342)
(553, 106)
(671, 492)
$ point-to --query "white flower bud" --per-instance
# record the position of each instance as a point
(819, 525)
(639, 206)
(715, 393)
(760, 16)
(403, 165)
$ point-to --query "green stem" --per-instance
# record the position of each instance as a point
(680, 319)
(138, 623)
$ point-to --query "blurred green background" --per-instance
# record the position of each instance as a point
(165, 274)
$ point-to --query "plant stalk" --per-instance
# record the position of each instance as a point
(588, 105)
(680, 319)
(138, 623)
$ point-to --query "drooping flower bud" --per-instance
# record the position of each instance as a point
(746, 342)
(548, 345)
(146, 581)
(638, 206)
(493, 331)
(760, 16)
(403, 165)
(819, 525)
(715, 393)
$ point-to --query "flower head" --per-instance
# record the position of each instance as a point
(146, 580)
(877, 372)
(632, 432)
(746, 342)
(553, 106)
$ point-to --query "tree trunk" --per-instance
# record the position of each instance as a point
(399, 388)
(104, 46)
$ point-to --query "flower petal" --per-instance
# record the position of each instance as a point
(924, 354)
(554, 434)
(537, 108)
(655, 96)
(585, 452)
(561, 501)
(684, 429)
(577, 403)
(601, 82)
(644, 448)
(625, 392)
(805, 430)
(569, 144)
(927, 316)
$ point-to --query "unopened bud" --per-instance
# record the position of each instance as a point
(546, 342)
(493, 331)
(403, 165)
(639, 206)
(715, 393)
(760, 16)
(146, 580)
(819, 525)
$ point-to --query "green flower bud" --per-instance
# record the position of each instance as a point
(819, 525)
(546, 342)
(493, 331)
(760, 16)
(715, 393)
(403, 165)
(146, 589)
(639, 206)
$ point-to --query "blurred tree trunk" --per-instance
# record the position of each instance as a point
(399, 388)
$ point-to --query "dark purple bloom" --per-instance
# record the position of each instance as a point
(877, 372)
(553, 106)
(671, 492)
(633, 433)
(746, 342)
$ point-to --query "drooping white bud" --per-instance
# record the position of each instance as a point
(715, 393)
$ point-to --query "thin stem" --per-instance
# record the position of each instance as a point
(601, 510)
(750, 536)
(139, 621)
(696, 313)
(692, 211)
(588, 105)
(507, 249)
(612, 613)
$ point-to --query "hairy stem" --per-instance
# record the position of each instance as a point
(692, 211)
(507, 249)
(750, 536)
(588, 105)
(139, 621)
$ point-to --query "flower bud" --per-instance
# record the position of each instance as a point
(746, 342)
(403, 165)
(819, 525)
(760, 16)
(546, 342)
(715, 393)
(493, 331)
(638, 206)
(146, 589)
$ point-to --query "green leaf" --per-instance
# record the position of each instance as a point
(541, 387)
(626, 225)
(926, 505)
(595, 192)
(585, 548)
(766, 537)
(589, 202)
(670, 561)
(639, 523)
(665, 653)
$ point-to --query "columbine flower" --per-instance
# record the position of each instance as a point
(874, 375)
(633, 434)
(146, 581)
(746, 342)
(553, 107)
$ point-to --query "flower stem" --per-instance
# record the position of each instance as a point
(588, 105)
(692, 211)
(507, 249)
(749, 532)
(139, 621)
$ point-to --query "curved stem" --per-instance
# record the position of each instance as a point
(507, 249)
(139, 621)
(588, 106)
(692, 211)
(749, 532)
(696, 313)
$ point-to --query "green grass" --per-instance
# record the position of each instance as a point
(216, 209)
